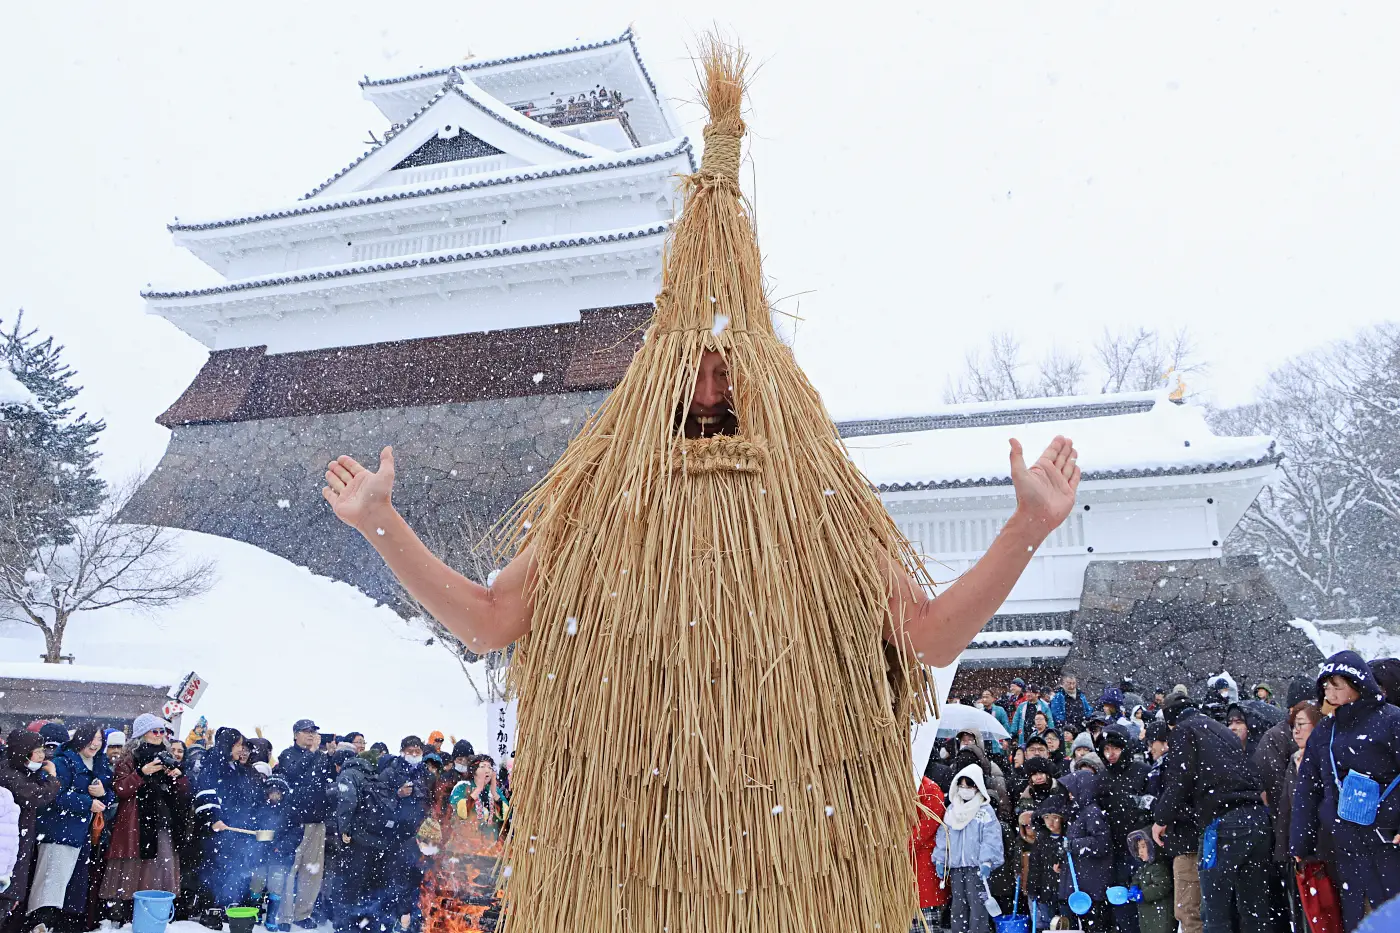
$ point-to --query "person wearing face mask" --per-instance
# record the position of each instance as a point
(402, 872)
(85, 781)
(457, 769)
(967, 849)
(310, 776)
(33, 783)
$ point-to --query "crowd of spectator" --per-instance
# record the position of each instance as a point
(1213, 812)
(331, 830)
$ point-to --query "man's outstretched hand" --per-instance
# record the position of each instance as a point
(1045, 491)
(359, 496)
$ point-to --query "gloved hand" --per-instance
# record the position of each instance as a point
(1134, 894)
(1146, 801)
(940, 870)
(985, 871)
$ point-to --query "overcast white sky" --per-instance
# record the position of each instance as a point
(927, 173)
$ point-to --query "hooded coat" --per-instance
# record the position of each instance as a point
(921, 844)
(9, 832)
(1361, 736)
(66, 820)
(978, 841)
(32, 791)
(1153, 878)
(1205, 771)
(1087, 838)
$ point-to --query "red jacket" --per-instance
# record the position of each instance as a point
(921, 846)
(126, 834)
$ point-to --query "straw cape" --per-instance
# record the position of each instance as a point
(713, 731)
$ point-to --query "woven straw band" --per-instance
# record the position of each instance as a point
(719, 454)
(722, 153)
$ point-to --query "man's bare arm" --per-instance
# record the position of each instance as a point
(938, 629)
(483, 617)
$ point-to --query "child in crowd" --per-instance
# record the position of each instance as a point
(1047, 855)
(968, 849)
(1154, 880)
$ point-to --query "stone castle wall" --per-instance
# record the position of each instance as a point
(1178, 622)
(459, 466)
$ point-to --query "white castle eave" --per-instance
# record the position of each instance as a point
(643, 175)
(523, 284)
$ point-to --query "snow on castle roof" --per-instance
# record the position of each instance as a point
(483, 102)
(425, 260)
(643, 156)
(629, 37)
(1117, 436)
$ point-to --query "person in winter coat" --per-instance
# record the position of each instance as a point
(988, 704)
(1112, 708)
(153, 804)
(85, 791)
(967, 849)
(1131, 697)
(277, 859)
(363, 814)
(226, 795)
(457, 770)
(1179, 840)
(1221, 691)
(1121, 796)
(1207, 777)
(310, 775)
(970, 752)
(932, 895)
(1387, 674)
(1362, 737)
(1090, 843)
(33, 783)
(1070, 707)
(9, 838)
(1154, 881)
(1047, 856)
(1023, 723)
(414, 787)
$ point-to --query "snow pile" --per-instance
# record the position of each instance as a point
(1371, 643)
(276, 644)
(13, 392)
(37, 670)
(1038, 637)
(1168, 436)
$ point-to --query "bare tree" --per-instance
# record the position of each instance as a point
(1130, 360)
(1328, 524)
(472, 553)
(1139, 360)
(107, 562)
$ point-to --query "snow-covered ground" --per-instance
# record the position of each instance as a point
(276, 644)
(1371, 643)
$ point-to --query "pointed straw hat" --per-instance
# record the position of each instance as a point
(714, 733)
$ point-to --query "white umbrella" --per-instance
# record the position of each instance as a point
(959, 717)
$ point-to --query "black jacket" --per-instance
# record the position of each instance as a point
(1205, 773)
(311, 776)
(1121, 784)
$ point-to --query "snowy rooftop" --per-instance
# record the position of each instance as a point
(1117, 436)
(483, 64)
(643, 156)
(37, 670)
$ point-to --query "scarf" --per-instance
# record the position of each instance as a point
(960, 812)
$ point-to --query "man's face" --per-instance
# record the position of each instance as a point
(358, 744)
(711, 409)
(1159, 698)
(1261, 694)
(1158, 750)
(1070, 684)
(1111, 753)
(309, 740)
(1238, 727)
(1037, 751)
(987, 699)
(1014, 690)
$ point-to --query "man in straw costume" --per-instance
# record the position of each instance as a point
(720, 633)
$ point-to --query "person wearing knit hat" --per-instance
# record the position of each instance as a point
(147, 723)
(1082, 745)
(54, 734)
(116, 745)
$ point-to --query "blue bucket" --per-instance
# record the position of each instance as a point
(151, 911)
(1013, 923)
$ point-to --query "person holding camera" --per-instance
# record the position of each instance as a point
(153, 800)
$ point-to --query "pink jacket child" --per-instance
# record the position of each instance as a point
(9, 836)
